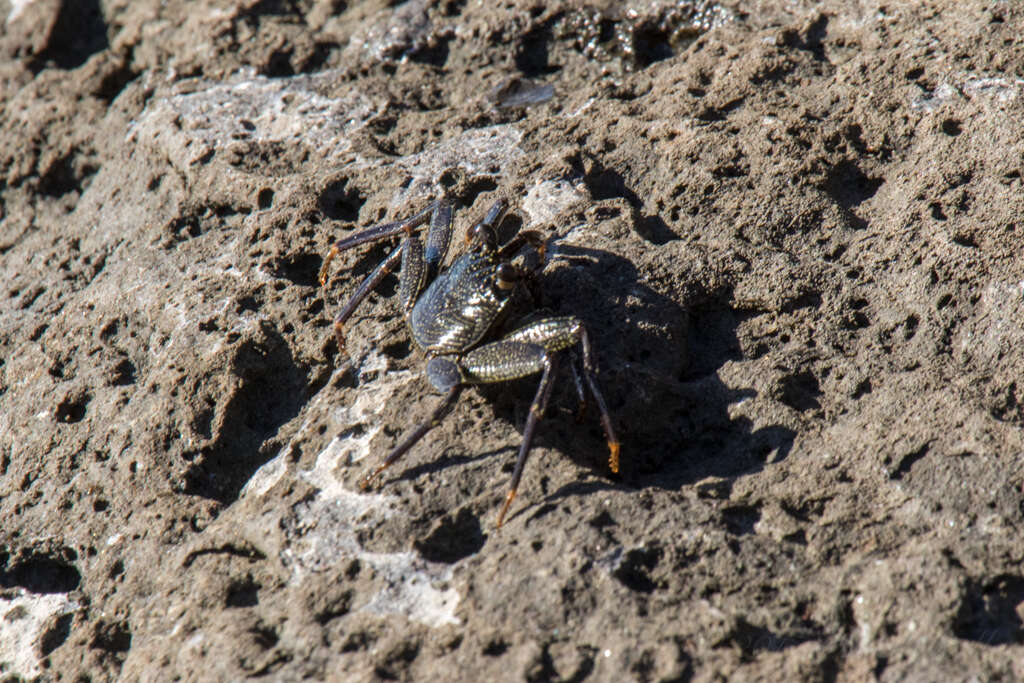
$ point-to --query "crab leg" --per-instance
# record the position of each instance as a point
(372, 280)
(410, 441)
(419, 264)
(537, 408)
(483, 232)
(590, 374)
(528, 350)
(560, 333)
(531, 237)
(578, 382)
(410, 252)
(383, 231)
(438, 238)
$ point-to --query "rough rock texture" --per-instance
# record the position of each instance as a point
(795, 233)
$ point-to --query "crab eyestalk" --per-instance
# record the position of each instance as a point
(507, 277)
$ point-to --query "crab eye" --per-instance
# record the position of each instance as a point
(480, 236)
(505, 277)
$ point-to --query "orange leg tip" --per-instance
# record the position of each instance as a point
(322, 276)
(613, 457)
(505, 507)
(367, 481)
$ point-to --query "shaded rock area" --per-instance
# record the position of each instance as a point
(793, 229)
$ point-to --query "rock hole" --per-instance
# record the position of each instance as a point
(990, 611)
(609, 184)
(651, 44)
(271, 390)
(114, 81)
(907, 461)
(634, 571)
(64, 175)
(247, 303)
(495, 648)
(850, 187)
(453, 539)
(111, 636)
(340, 201)
(434, 53)
(122, 374)
(397, 350)
(243, 593)
(951, 127)
(800, 392)
(910, 327)
(740, 519)
(265, 199)
(265, 636)
(334, 607)
(55, 634)
(964, 239)
(397, 660)
(41, 573)
(73, 408)
(116, 569)
(79, 32)
(531, 55)
(302, 268)
(476, 186)
(279, 64)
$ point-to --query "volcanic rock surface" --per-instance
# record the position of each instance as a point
(794, 231)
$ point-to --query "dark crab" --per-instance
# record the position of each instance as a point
(452, 311)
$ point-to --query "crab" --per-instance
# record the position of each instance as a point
(454, 315)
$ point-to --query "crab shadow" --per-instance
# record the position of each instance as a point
(446, 460)
(660, 366)
(658, 369)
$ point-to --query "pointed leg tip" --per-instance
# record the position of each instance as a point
(322, 275)
(504, 508)
(613, 457)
